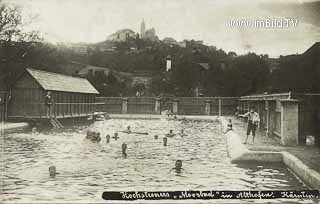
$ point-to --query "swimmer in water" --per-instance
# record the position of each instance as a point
(178, 166)
(115, 136)
(34, 130)
(124, 148)
(53, 171)
(89, 134)
(108, 138)
(98, 138)
(156, 137)
(128, 130)
(165, 140)
(182, 134)
(170, 134)
(95, 137)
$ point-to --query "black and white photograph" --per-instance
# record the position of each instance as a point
(160, 101)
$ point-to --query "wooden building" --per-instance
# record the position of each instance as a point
(71, 96)
(3, 106)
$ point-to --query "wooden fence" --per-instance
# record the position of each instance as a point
(184, 105)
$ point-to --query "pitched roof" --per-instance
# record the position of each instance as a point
(59, 82)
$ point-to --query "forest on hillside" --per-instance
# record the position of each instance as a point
(229, 74)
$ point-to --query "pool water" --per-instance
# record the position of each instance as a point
(87, 169)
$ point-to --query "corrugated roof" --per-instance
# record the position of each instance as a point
(59, 82)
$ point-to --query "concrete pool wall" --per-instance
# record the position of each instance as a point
(238, 153)
(13, 127)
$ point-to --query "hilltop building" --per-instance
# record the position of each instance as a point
(170, 41)
(149, 34)
(143, 29)
(121, 35)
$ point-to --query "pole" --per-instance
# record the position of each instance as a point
(219, 106)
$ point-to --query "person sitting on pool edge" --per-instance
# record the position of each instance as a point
(170, 134)
(178, 166)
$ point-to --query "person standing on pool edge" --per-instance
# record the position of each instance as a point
(48, 103)
(253, 122)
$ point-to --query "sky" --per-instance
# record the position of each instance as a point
(208, 20)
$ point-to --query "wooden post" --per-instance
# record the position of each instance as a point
(157, 108)
(289, 122)
(124, 105)
(175, 106)
(207, 107)
(219, 115)
(267, 118)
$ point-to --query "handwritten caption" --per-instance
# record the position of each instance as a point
(205, 195)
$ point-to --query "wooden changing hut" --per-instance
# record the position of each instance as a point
(71, 96)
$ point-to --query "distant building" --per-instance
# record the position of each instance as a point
(149, 34)
(142, 29)
(122, 35)
(170, 41)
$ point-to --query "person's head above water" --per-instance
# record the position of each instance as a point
(171, 131)
(124, 146)
(128, 128)
(178, 164)
(52, 171)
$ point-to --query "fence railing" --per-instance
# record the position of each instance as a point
(179, 105)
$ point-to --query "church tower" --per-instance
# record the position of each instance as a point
(143, 29)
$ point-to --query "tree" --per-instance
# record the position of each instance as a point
(13, 40)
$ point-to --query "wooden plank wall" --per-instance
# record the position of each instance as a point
(31, 103)
(3, 96)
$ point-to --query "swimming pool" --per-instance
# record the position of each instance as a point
(87, 169)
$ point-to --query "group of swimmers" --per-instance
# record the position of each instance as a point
(95, 137)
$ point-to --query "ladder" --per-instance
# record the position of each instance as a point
(56, 123)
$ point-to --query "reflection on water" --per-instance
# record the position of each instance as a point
(87, 169)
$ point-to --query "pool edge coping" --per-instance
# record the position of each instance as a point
(239, 153)
(12, 127)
